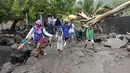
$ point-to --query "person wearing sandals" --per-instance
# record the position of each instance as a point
(60, 41)
(90, 35)
(66, 34)
(37, 31)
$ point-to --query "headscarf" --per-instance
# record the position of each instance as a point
(38, 29)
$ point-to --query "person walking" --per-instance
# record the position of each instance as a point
(72, 31)
(66, 34)
(90, 35)
(60, 41)
(36, 33)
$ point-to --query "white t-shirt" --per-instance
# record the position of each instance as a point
(72, 28)
(60, 40)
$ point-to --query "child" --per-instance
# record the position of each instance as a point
(90, 35)
(60, 41)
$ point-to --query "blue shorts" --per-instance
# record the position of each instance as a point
(66, 38)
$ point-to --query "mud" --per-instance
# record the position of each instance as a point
(78, 59)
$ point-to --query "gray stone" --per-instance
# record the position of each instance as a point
(14, 46)
(128, 48)
(112, 35)
(127, 36)
(7, 68)
(11, 41)
(116, 43)
(102, 37)
(18, 38)
(119, 35)
(5, 52)
(6, 41)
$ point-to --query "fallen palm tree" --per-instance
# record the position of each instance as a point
(102, 16)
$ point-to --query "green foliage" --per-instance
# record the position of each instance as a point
(15, 9)
(90, 8)
(4, 10)
(53, 7)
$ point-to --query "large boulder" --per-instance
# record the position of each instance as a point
(14, 46)
(18, 38)
(102, 37)
(5, 53)
(128, 37)
(7, 68)
(6, 41)
(119, 36)
(112, 35)
(116, 42)
(128, 48)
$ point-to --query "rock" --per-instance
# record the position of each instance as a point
(7, 68)
(18, 38)
(112, 35)
(11, 40)
(128, 48)
(5, 52)
(127, 36)
(116, 43)
(6, 41)
(14, 46)
(102, 37)
(119, 36)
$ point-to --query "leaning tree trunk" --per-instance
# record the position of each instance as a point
(13, 25)
(117, 9)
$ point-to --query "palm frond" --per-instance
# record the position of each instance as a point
(99, 4)
(87, 5)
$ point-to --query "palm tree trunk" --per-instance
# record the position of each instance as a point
(117, 9)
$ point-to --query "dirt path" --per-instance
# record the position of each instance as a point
(79, 60)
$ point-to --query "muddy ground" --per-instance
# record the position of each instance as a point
(78, 59)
